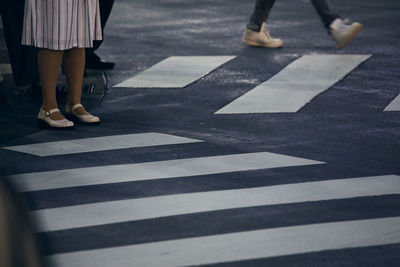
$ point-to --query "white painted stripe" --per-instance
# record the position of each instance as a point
(295, 85)
(161, 206)
(101, 144)
(154, 170)
(5, 68)
(394, 105)
(176, 72)
(241, 246)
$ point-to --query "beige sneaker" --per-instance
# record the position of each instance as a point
(343, 32)
(261, 38)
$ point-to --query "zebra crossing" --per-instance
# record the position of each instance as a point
(209, 249)
(100, 144)
(295, 85)
(155, 207)
(176, 72)
(287, 92)
(272, 96)
(154, 170)
(242, 246)
(394, 105)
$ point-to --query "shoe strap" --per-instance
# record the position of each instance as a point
(51, 111)
(79, 105)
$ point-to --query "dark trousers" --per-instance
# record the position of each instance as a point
(105, 10)
(23, 59)
(263, 8)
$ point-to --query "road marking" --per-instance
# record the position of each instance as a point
(176, 72)
(394, 105)
(101, 144)
(155, 170)
(241, 246)
(295, 85)
(154, 207)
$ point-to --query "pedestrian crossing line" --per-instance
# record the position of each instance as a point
(241, 246)
(181, 204)
(394, 105)
(103, 143)
(296, 85)
(176, 72)
(155, 170)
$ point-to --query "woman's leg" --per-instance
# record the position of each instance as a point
(74, 66)
(49, 62)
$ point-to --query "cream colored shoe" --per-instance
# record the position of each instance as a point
(343, 32)
(261, 38)
(44, 120)
(73, 115)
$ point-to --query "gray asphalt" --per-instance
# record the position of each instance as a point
(345, 126)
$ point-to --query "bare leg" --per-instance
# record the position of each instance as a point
(49, 62)
(74, 66)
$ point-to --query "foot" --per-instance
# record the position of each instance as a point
(344, 32)
(261, 38)
(79, 114)
(53, 118)
(93, 61)
(80, 110)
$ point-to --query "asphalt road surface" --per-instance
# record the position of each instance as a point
(214, 153)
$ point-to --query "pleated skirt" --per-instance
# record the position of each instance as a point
(61, 24)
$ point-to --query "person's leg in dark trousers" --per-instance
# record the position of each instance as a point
(256, 33)
(92, 60)
(325, 12)
(341, 30)
(23, 59)
(260, 14)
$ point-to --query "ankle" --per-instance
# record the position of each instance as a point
(48, 107)
(72, 104)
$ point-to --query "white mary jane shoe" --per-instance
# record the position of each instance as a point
(44, 120)
(85, 119)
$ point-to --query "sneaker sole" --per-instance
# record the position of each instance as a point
(251, 43)
(356, 29)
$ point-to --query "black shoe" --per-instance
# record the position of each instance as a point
(94, 62)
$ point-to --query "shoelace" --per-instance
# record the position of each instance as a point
(347, 21)
(346, 24)
(267, 33)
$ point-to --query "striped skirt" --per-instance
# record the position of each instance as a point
(61, 24)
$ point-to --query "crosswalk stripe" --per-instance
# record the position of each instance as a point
(394, 105)
(101, 144)
(155, 170)
(241, 246)
(176, 72)
(295, 85)
(161, 206)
